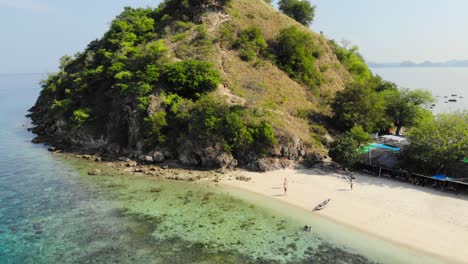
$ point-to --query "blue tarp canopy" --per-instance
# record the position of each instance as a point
(381, 146)
(441, 177)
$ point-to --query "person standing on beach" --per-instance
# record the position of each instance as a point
(285, 186)
(350, 175)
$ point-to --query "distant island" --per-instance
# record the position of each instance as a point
(425, 64)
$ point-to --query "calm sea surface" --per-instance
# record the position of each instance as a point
(51, 211)
(444, 83)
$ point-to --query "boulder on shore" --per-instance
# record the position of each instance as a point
(158, 157)
(148, 159)
(211, 156)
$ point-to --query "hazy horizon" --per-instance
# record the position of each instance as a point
(40, 32)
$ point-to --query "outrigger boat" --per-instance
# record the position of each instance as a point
(322, 205)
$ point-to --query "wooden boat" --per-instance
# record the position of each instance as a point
(452, 100)
(322, 205)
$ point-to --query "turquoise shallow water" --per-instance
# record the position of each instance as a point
(51, 211)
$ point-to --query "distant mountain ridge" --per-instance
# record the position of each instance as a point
(425, 64)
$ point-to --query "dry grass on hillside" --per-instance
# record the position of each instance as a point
(260, 85)
(245, 13)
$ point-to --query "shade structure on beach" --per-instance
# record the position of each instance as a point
(441, 177)
(394, 138)
(381, 146)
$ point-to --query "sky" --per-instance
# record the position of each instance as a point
(36, 33)
(397, 30)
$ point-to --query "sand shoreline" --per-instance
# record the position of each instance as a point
(413, 217)
(417, 218)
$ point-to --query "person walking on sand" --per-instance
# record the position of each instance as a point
(351, 184)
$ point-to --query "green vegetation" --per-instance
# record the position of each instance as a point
(439, 141)
(251, 43)
(212, 119)
(377, 105)
(359, 135)
(402, 107)
(344, 150)
(300, 10)
(80, 116)
(354, 62)
(151, 82)
(144, 79)
(61, 104)
(296, 54)
(191, 78)
(154, 127)
(185, 10)
(359, 104)
(346, 147)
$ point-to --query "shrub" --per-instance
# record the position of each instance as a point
(344, 150)
(143, 102)
(264, 136)
(61, 104)
(251, 43)
(132, 26)
(80, 116)
(226, 32)
(123, 76)
(248, 54)
(354, 62)
(178, 111)
(213, 120)
(359, 135)
(150, 74)
(178, 106)
(203, 41)
(295, 55)
(191, 78)
(155, 124)
(156, 49)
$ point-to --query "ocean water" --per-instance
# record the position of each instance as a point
(441, 82)
(51, 211)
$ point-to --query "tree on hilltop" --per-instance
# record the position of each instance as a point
(300, 10)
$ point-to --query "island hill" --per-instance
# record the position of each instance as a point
(212, 83)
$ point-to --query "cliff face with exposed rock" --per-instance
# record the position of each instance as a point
(200, 82)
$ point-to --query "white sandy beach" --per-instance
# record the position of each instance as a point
(419, 218)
